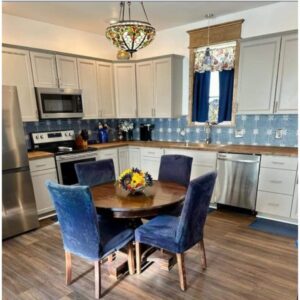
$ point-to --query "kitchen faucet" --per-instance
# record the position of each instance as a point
(208, 132)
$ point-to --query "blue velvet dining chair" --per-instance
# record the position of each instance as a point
(178, 234)
(83, 233)
(175, 168)
(93, 173)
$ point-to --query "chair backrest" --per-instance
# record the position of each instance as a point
(194, 211)
(92, 173)
(175, 168)
(77, 217)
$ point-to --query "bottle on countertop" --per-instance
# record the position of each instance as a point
(102, 133)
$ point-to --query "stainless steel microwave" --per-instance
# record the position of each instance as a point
(54, 103)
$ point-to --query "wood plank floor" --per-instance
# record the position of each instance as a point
(242, 264)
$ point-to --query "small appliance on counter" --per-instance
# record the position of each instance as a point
(146, 132)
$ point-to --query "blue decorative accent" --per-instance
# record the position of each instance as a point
(84, 233)
(274, 227)
(259, 130)
(178, 234)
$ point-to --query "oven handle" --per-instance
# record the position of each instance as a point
(75, 156)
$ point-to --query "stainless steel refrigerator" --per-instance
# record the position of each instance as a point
(19, 212)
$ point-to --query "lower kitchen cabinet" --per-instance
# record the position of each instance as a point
(123, 159)
(150, 160)
(42, 170)
(110, 154)
(134, 157)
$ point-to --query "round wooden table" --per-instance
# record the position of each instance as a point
(159, 198)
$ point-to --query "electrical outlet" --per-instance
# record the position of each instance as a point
(239, 133)
(278, 133)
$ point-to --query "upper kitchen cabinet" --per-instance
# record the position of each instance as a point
(44, 70)
(16, 71)
(159, 87)
(125, 90)
(257, 75)
(287, 82)
(67, 72)
(106, 99)
(87, 72)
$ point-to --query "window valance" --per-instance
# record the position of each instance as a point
(215, 58)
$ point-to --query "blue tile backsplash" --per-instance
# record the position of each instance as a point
(258, 129)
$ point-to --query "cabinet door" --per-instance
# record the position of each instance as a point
(162, 69)
(44, 70)
(287, 83)
(16, 71)
(257, 75)
(42, 197)
(145, 92)
(88, 83)
(294, 211)
(67, 72)
(151, 165)
(134, 157)
(125, 90)
(106, 97)
(111, 154)
(123, 159)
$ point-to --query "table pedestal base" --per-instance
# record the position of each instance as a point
(165, 259)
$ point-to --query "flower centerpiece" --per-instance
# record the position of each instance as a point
(134, 180)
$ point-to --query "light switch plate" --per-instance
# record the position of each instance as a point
(278, 133)
(239, 133)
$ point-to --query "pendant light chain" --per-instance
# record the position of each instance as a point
(142, 3)
(129, 15)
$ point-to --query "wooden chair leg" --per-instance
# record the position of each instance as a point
(130, 259)
(97, 279)
(181, 270)
(203, 255)
(68, 267)
(138, 257)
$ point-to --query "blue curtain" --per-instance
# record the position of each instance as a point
(200, 96)
(226, 92)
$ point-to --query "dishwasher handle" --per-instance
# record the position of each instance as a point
(239, 160)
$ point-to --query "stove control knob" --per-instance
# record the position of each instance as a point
(66, 134)
(70, 133)
(41, 136)
(37, 137)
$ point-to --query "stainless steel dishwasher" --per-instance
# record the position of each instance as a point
(237, 179)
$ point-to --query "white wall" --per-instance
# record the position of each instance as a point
(30, 33)
(263, 20)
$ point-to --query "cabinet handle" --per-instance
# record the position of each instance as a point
(151, 153)
(276, 181)
(276, 106)
(273, 204)
(277, 163)
(42, 165)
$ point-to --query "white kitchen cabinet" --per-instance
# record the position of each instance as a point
(159, 87)
(125, 90)
(145, 89)
(294, 211)
(110, 154)
(67, 72)
(150, 160)
(287, 82)
(257, 75)
(123, 159)
(276, 186)
(44, 69)
(134, 157)
(87, 73)
(106, 98)
(42, 170)
(16, 71)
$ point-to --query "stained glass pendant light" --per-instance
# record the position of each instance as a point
(130, 35)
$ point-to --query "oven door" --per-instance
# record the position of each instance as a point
(66, 166)
(59, 103)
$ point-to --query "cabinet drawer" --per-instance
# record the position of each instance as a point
(152, 152)
(274, 204)
(279, 162)
(277, 181)
(41, 164)
(108, 153)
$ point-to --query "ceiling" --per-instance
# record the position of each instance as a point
(94, 17)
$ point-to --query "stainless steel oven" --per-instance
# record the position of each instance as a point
(56, 103)
(65, 165)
